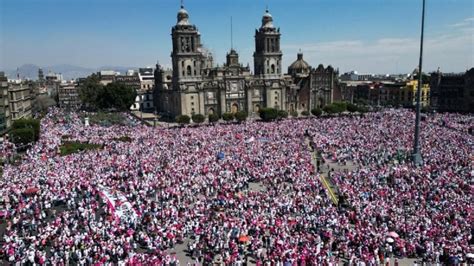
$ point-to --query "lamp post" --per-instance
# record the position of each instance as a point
(416, 155)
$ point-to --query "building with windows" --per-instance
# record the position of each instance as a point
(312, 87)
(409, 91)
(452, 92)
(19, 100)
(195, 85)
(5, 119)
(147, 78)
(68, 96)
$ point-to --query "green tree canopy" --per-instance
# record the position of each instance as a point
(213, 118)
(316, 111)
(22, 135)
(95, 96)
(282, 114)
(90, 92)
(228, 116)
(198, 118)
(183, 119)
(268, 114)
(351, 107)
(305, 113)
(28, 123)
(241, 116)
(118, 96)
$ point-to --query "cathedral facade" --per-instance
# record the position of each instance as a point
(195, 86)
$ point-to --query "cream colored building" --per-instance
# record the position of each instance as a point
(19, 100)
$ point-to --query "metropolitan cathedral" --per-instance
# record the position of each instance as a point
(196, 86)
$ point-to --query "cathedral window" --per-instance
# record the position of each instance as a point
(273, 68)
(189, 70)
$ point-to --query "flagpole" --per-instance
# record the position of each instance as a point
(416, 156)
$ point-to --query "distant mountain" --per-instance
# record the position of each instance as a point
(30, 71)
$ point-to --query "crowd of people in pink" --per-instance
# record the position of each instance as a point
(131, 202)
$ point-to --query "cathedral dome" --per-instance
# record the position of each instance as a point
(267, 20)
(299, 66)
(183, 16)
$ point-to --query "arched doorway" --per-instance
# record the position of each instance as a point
(292, 108)
(234, 108)
(257, 108)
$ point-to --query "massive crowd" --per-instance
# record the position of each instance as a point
(198, 186)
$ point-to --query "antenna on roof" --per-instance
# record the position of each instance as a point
(231, 35)
(182, 5)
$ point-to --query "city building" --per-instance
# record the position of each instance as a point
(68, 96)
(384, 93)
(312, 87)
(130, 81)
(107, 76)
(409, 91)
(147, 78)
(5, 119)
(452, 92)
(19, 99)
(354, 76)
(52, 82)
(194, 85)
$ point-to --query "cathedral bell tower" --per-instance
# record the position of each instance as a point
(186, 56)
(267, 55)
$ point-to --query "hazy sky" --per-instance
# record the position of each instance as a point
(370, 36)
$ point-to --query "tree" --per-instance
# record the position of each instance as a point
(95, 96)
(183, 119)
(340, 106)
(282, 114)
(268, 114)
(118, 96)
(22, 135)
(317, 111)
(90, 92)
(241, 116)
(294, 113)
(213, 118)
(28, 123)
(330, 109)
(228, 116)
(362, 109)
(198, 118)
(305, 113)
(351, 107)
